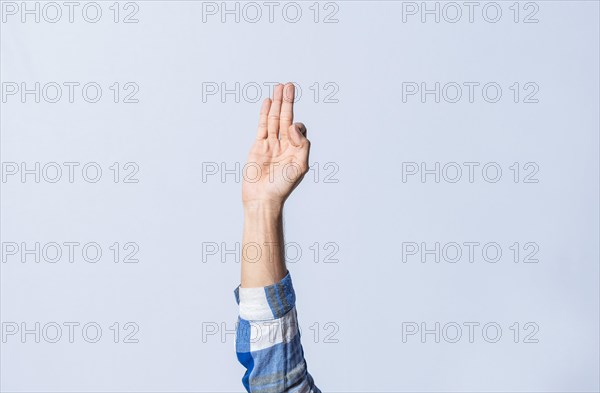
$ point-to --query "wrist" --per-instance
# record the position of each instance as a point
(269, 207)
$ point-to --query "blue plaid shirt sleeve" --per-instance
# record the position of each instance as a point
(268, 340)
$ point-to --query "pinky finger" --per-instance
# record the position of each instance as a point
(263, 119)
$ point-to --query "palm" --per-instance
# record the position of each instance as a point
(279, 158)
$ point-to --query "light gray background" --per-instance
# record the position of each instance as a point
(170, 133)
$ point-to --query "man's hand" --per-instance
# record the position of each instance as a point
(278, 159)
(277, 163)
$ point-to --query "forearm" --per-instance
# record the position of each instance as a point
(263, 259)
(268, 340)
(267, 337)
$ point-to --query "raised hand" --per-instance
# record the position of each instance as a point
(278, 159)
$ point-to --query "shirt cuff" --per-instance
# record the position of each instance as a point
(264, 303)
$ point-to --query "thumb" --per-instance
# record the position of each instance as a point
(297, 132)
